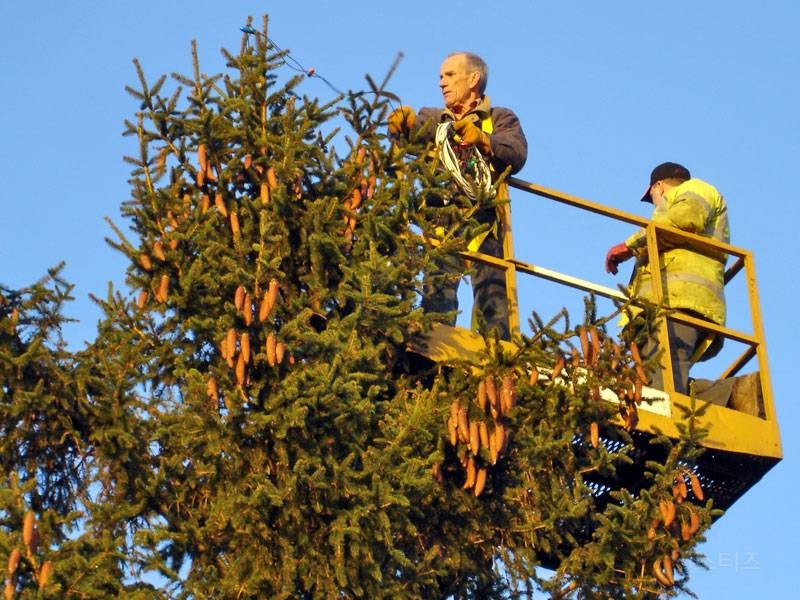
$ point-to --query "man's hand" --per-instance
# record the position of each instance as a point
(617, 254)
(472, 134)
(401, 120)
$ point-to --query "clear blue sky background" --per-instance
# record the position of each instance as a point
(605, 90)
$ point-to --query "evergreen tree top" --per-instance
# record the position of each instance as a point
(251, 420)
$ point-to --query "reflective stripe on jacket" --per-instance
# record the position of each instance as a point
(691, 281)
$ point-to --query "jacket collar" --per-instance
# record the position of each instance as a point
(482, 109)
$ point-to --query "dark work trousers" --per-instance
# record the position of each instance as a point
(683, 342)
(488, 288)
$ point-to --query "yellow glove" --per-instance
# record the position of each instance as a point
(472, 134)
(401, 120)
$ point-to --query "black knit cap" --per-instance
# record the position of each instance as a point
(667, 170)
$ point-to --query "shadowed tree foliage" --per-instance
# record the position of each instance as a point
(251, 421)
(46, 455)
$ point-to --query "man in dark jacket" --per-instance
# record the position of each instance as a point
(496, 133)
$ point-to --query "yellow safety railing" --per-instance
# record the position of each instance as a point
(732, 430)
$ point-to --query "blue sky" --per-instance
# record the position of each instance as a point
(605, 91)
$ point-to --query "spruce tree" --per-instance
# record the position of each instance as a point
(259, 422)
(47, 462)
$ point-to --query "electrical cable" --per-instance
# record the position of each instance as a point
(290, 61)
(464, 163)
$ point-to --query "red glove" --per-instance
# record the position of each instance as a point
(472, 134)
(401, 120)
(617, 254)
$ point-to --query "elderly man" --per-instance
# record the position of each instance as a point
(693, 281)
(496, 133)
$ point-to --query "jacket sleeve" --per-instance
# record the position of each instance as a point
(687, 212)
(509, 146)
(424, 129)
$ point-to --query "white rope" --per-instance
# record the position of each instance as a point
(467, 165)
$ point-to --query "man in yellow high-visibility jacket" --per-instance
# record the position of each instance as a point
(692, 281)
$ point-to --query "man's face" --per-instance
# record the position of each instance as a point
(456, 82)
(657, 193)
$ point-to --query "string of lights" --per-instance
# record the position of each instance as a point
(466, 165)
(290, 61)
